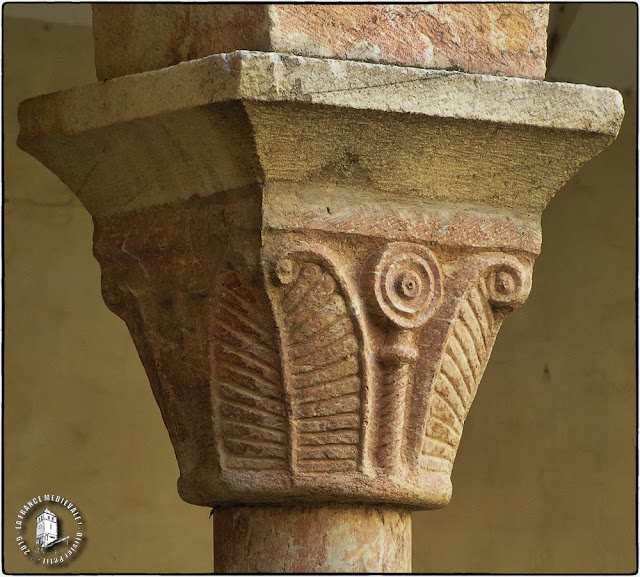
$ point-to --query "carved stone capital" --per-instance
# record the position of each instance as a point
(314, 257)
(308, 365)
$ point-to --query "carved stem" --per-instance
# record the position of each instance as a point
(397, 356)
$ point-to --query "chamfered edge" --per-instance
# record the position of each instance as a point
(272, 77)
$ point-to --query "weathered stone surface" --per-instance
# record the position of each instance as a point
(337, 367)
(504, 39)
(314, 256)
(312, 540)
(132, 38)
(429, 136)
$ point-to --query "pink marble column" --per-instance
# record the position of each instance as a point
(308, 539)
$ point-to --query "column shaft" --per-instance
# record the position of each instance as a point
(302, 539)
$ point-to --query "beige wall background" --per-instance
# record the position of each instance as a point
(545, 479)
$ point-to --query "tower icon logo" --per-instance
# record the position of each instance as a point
(47, 531)
(51, 519)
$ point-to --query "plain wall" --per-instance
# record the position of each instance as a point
(545, 478)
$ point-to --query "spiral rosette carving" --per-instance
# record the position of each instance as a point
(407, 284)
(507, 284)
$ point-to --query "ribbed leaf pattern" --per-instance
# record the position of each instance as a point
(466, 353)
(322, 353)
(248, 384)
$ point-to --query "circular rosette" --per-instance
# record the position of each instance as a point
(406, 283)
(507, 284)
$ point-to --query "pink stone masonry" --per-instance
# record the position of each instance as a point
(500, 39)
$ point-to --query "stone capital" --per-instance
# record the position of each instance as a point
(314, 256)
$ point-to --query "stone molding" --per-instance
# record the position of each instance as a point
(146, 138)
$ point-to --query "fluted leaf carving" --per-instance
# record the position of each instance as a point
(251, 409)
(501, 283)
(322, 349)
(293, 372)
(304, 414)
